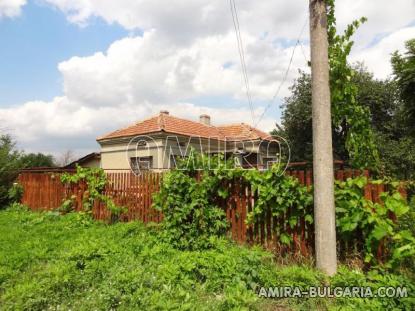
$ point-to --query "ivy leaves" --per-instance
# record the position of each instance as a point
(350, 118)
(279, 194)
(355, 213)
(96, 181)
(191, 215)
(190, 204)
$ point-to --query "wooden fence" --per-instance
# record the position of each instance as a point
(44, 191)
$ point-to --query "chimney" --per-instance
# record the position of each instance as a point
(164, 112)
(204, 119)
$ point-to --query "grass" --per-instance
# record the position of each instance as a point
(51, 262)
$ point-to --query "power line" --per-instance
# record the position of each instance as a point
(286, 73)
(303, 52)
(235, 20)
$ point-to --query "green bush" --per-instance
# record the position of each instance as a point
(18, 207)
(190, 197)
(358, 217)
(9, 166)
(191, 215)
(16, 193)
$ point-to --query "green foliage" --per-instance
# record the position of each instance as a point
(9, 165)
(193, 217)
(359, 217)
(373, 124)
(404, 72)
(11, 161)
(189, 206)
(395, 143)
(15, 193)
(353, 137)
(68, 205)
(18, 207)
(31, 160)
(95, 180)
(50, 262)
(278, 194)
(374, 279)
(351, 119)
(54, 262)
(297, 120)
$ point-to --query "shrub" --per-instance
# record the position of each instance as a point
(191, 216)
(358, 217)
(67, 205)
(9, 166)
(16, 193)
(189, 199)
(18, 207)
(190, 196)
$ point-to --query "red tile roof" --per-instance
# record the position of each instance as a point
(169, 124)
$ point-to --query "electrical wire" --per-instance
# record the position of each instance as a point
(235, 20)
(285, 74)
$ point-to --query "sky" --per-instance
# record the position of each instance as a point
(73, 70)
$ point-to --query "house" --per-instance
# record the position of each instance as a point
(157, 142)
(91, 160)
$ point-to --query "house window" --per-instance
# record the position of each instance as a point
(250, 160)
(141, 164)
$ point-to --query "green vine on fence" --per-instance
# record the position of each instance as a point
(190, 198)
(192, 216)
(95, 180)
(279, 194)
(374, 221)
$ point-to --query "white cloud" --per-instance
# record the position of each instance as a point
(137, 77)
(11, 8)
(181, 22)
(384, 17)
(184, 19)
(187, 52)
(137, 69)
(377, 57)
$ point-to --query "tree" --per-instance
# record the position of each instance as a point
(66, 158)
(296, 119)
(404, 73)
(36, 160)
(296, 122)
(11, 161)
(351, 119)
(9, 165)
(387, 118)
(353, 136)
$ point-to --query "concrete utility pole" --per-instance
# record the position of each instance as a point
(324, 211)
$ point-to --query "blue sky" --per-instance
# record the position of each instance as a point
(33, 44)
(71, 71)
